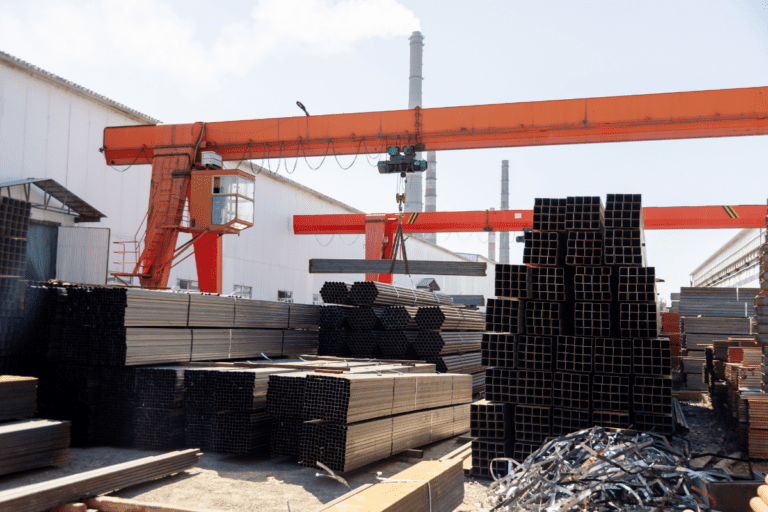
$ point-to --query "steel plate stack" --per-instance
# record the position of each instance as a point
(18, 397)
(30, 444)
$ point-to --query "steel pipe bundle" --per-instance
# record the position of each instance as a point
(77, 487)
(571, 391)
(296, 343)
(365, 343)
(432, 344)
(464, 363)
(544, 249)
(548, 318)
(651, 357)
(501, 385)
(371, 293)
(550, 284)
(365, 318)
(336, 293)
(624, 211)
(478, 382)
(637, 284)
(491, 420)
(574, 354)
(333, 343)
(549, 214)
(584, 214)
(446, 318)
(398, 343)
(334, 317)
(398, 318)
(593, 319)
(535, 353)
(624, 247)
(484, 451)
(639, 320)
(18, 397)
(30, 444)
(566, 421)
(585, 248)
(611, 393)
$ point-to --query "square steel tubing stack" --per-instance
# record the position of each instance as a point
(116, 404)
(544, 248)
(584, 214)
(485, 450)
(499, 350)
(159, 417)
(549, 214)
(505, 316)
(637, 284)
(548, 318)
(552, 284)
(512, 281)
(492, 420)
(594, 284)
(574, 354)
(71, 393)
(585, 248)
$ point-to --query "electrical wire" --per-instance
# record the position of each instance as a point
(329, 241)
(351, 243)
(134, 161)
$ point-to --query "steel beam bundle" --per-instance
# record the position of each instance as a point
(501, 385)
(77, 487)
(30, 444)
(336, 293)
(584, 214)
(637, 284)
(505, 315)
(350, 446)
(571, 391)
(574, 354)
(513, 281)
(720, 302)
(652, 395)
(534, 388)
(624, 211)
(549, 214)
(548, 318)
(532, 424)
(371, 293)
(432, 344)
(18, 397)
(483, 453)
(593, 319)
(566, 421)
(624, 247)
(120, 346)
(651, 356)
(492, 420)
(365, 318)
(334, 317)
(447, 318)
(420, 267)
(499, 350)
(639, 320)
(211, 311)
(333, 343)
(365, 343)
(219, 344)
(594, 284)
(399, 343)
(613, 356)
(464, 363)
(585, 248)
(398, 318)
(544, 249)
(611, 393)
(536, 353)
(551, 284)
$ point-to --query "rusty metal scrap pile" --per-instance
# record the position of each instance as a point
(601, 470)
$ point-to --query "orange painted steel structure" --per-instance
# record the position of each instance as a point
(173, 149)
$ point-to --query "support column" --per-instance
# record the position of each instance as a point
(208, 252)
(378, 244)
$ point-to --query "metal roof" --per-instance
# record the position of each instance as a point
(72, 203)
(18, 63)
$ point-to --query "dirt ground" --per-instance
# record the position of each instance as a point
(230, 483)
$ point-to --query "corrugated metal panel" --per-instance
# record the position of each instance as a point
(82, 255)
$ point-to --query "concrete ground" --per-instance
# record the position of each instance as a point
(229, 483)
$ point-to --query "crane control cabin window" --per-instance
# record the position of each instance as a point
(232, 201)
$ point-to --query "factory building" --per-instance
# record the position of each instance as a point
(735, 264)
(87, 215)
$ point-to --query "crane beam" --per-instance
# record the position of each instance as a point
(665, 217)
(680, 115)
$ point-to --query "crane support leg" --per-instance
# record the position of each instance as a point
(168, 191)
(378, 244)
(208, 260)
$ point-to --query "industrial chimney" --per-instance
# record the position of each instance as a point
(413, 193)
(430, 198)
(504, 238)
(492, 243)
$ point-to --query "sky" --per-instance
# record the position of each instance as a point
(184, 60)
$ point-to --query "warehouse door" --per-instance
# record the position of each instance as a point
(82, 255)
(42, 240)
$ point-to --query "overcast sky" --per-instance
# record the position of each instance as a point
(184, 60)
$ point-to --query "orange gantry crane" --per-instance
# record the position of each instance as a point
(187, 164)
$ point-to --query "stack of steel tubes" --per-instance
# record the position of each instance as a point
(575, 342)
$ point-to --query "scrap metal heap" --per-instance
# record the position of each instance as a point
(599, 470)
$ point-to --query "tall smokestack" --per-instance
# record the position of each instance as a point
(413, 191)
(492, 243)
(430, 198)
(504, 238)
